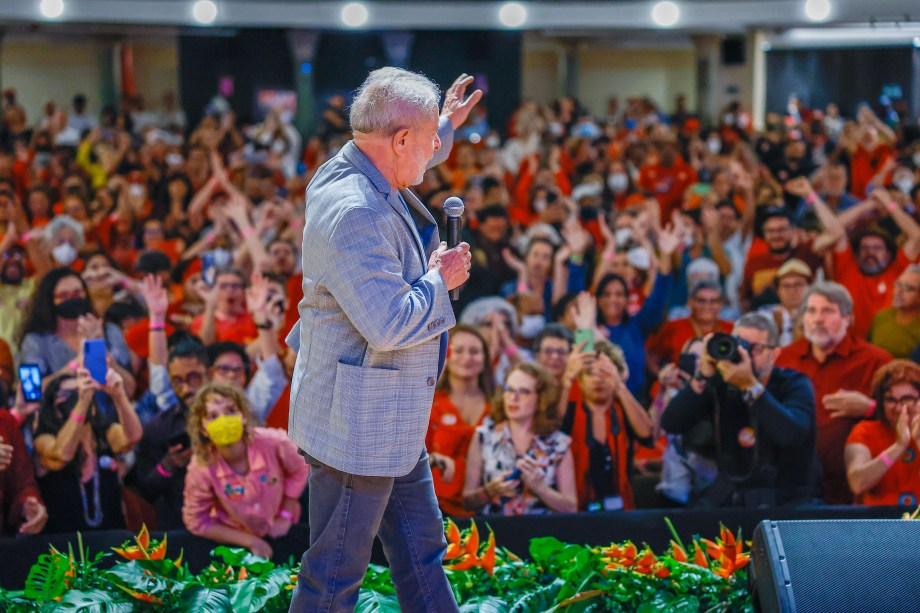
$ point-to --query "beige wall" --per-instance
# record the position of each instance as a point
(43, 68)
(606, 70)
(660, 74)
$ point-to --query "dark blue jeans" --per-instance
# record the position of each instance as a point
(346, 512)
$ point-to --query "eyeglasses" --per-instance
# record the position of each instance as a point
(229, 369)
(230, 286)
(193, 379)
(555, 352)
(758, 348)
(904, 287)
(908, 402)
(709, 301)
(518, 392)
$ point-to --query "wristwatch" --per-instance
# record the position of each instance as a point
(754, 392)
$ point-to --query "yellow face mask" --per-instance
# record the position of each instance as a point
(225, 430)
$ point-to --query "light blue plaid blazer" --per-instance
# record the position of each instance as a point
(371, 318)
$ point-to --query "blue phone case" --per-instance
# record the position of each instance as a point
(94, 359)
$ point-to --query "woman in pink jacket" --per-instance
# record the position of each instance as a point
(244, 482)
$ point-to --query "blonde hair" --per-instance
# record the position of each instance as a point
(202, 446)
(545, 419)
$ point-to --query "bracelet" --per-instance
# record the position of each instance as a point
(886, 460)
(891, 205)
(872, 405)
(27, 236)
(157, 327)
(810, 199)
(264, 326)
(511, 351)
(15, 414)
(522, 288)
(163, 472)
(210, 238)
(77, 418)
(608, 256)
(577, 258)
(73, 365)
(296, 223)
(248, 232)
(285, 514)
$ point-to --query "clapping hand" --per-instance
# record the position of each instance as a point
(35, 515)
(576, 237)
(155, 296)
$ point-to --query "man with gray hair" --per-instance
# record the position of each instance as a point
(840, 366)
(763, 420)
(897, 328)
(371, 342)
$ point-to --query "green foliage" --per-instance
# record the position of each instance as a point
(559, 577)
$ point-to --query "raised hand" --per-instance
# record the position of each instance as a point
(155, 296)
(585, 311)
(668, 240)
(577, 238)
(455, 108)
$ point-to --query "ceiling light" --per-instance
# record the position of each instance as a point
(204, 11)
(818, 10)
(512, 14)
(917, 41)
(354, 14)
(665, 14)
(51, 9)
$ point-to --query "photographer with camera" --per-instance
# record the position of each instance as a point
(763, 418)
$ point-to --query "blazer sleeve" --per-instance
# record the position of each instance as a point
(367, 282)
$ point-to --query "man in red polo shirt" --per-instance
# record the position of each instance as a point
(870, 264)
(840, 366)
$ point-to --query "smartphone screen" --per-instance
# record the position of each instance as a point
(582, 335)
(30, 378)
(94, 359)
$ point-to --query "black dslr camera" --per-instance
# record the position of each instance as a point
(725, 347)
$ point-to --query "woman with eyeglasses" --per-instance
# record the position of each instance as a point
(461, 403)
(78, 445)
(519, 462)
(882, 453)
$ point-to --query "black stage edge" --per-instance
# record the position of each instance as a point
(513, 533)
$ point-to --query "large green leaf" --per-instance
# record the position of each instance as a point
(46, 577)
(541, 599)
(132, 576)
(93, 601)
(235, 556)
(370, 601)
(485, 604)
(205, 600)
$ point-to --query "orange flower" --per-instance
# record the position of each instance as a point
(678, 553)
(699, 558)
(713, 549)
(648, 558)
(472, 540)
(488, 558)
(142, 550)
(243, 574)
(453, 551)
(453, 533)
(662, 572)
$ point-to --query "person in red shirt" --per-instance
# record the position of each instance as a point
(603, 426)
(705, 302)
(840, 367)
(882, 454)
(869, 265)
(757, 283)
(22, 510)
(872, 153)
(461, 402)
(225, 317)
(667, 179)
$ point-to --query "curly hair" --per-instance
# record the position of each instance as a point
(545, 419)
(893, 373)
(201, 444)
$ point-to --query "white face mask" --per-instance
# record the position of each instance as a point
(905, 184)
(531, 325)
(714, 145)
(493, 141)
(623, 236)
(64, 254)
(618, 182)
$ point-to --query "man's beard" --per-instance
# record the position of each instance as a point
(782, 250)
(822, 337)
(871, 266)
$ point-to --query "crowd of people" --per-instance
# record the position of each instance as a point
(658, 314)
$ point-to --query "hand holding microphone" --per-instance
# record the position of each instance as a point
(453, 208)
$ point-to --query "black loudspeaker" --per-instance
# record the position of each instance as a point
(834, 566)
(733, 50)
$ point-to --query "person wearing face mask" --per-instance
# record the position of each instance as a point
(762, 417)
(60, 320)
(840, 366)
(243, 483)
(64, 236)
(77, 446)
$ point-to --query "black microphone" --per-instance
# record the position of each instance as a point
(453, 207)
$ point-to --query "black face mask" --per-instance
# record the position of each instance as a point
(72, 308)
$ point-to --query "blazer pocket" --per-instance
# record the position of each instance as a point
(364, 403)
